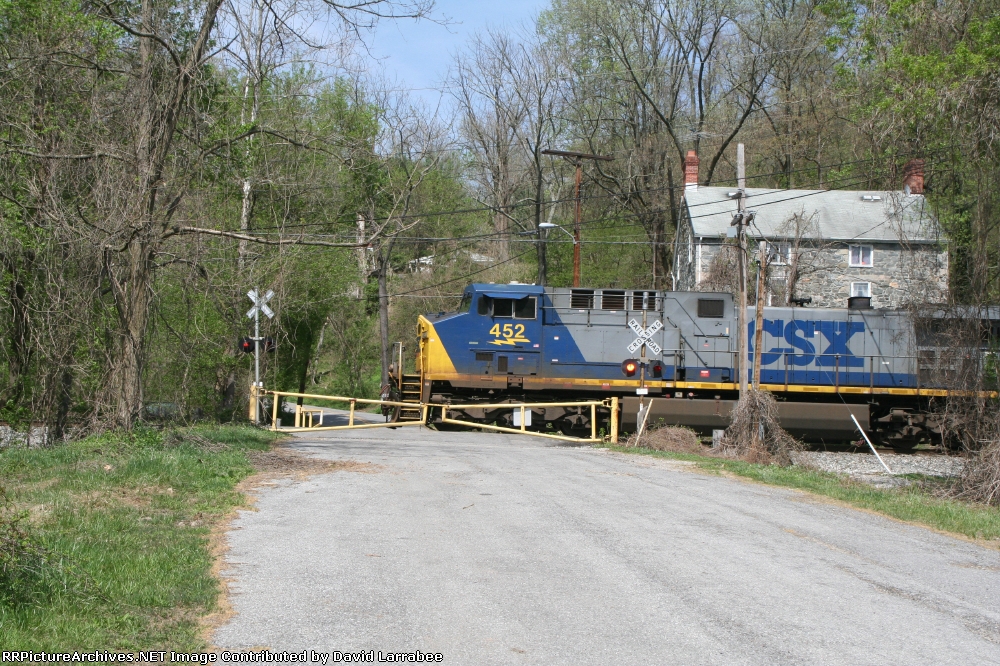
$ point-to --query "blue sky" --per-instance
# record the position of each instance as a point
(417, 54)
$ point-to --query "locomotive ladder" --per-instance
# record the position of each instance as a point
(409, 390)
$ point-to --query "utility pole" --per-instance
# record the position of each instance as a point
(576, 226)
(741, 239)
(577, 160)
(758, 331)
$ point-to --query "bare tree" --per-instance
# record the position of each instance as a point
(537, 78)
(491, 117)
(678, 75)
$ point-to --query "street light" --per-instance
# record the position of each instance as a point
(550, 225)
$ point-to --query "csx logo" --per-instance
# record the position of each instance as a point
(803, 347)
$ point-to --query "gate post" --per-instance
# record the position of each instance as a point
(253, 403)
(614, 420)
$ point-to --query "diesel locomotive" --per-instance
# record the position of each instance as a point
(527, 343)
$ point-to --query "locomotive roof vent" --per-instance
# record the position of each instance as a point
(859, 303)
(871, 197)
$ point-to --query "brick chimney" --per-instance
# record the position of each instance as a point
(913, 177)
(691, 163)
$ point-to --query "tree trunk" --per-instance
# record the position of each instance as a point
(132, 276)
(539, 241)
(20, 342)
(383, 318)
(132, 301)
(501, 227)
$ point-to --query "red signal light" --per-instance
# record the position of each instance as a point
(630, 367)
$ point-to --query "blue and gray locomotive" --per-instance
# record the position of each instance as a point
(529, 343)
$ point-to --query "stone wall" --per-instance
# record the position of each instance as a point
(36, 436)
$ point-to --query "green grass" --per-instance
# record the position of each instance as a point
(127, 568)
(912, 504)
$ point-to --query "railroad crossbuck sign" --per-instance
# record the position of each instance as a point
(645, 336)
(260, 303)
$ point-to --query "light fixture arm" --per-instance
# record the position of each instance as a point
(550, 225)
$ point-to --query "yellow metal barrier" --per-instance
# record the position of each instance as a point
(303, 414)
(610, 403)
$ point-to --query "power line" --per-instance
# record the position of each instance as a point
(463, 277)
(593, 197)
(616, 219)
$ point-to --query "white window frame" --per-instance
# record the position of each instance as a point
(861, 256)
(779, 254)
(868, 288)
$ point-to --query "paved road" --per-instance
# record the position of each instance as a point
(509, 550)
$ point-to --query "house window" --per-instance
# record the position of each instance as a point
(862, 289)
(861, 256)
(779, 254)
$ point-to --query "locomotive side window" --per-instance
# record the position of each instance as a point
(484, 305)
(520, 308)
(711, 307)
(503, 307)
(582, 299)
(612, 300)
(524, 308)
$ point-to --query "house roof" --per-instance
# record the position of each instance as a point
(838, 215)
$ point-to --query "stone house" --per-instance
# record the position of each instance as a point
(823, 246)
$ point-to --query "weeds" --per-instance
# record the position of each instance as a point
(912, 504)
(754, 435)
(667, 438)
(106, 540)
(23, 562)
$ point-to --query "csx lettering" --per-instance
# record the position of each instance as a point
(801, 351)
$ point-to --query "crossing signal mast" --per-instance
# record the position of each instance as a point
(643, 341)
(259, 305)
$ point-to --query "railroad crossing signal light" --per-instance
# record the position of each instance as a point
(656, 370)
(630, 367)
(266, 345)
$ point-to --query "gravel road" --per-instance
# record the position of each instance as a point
(495, 549)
